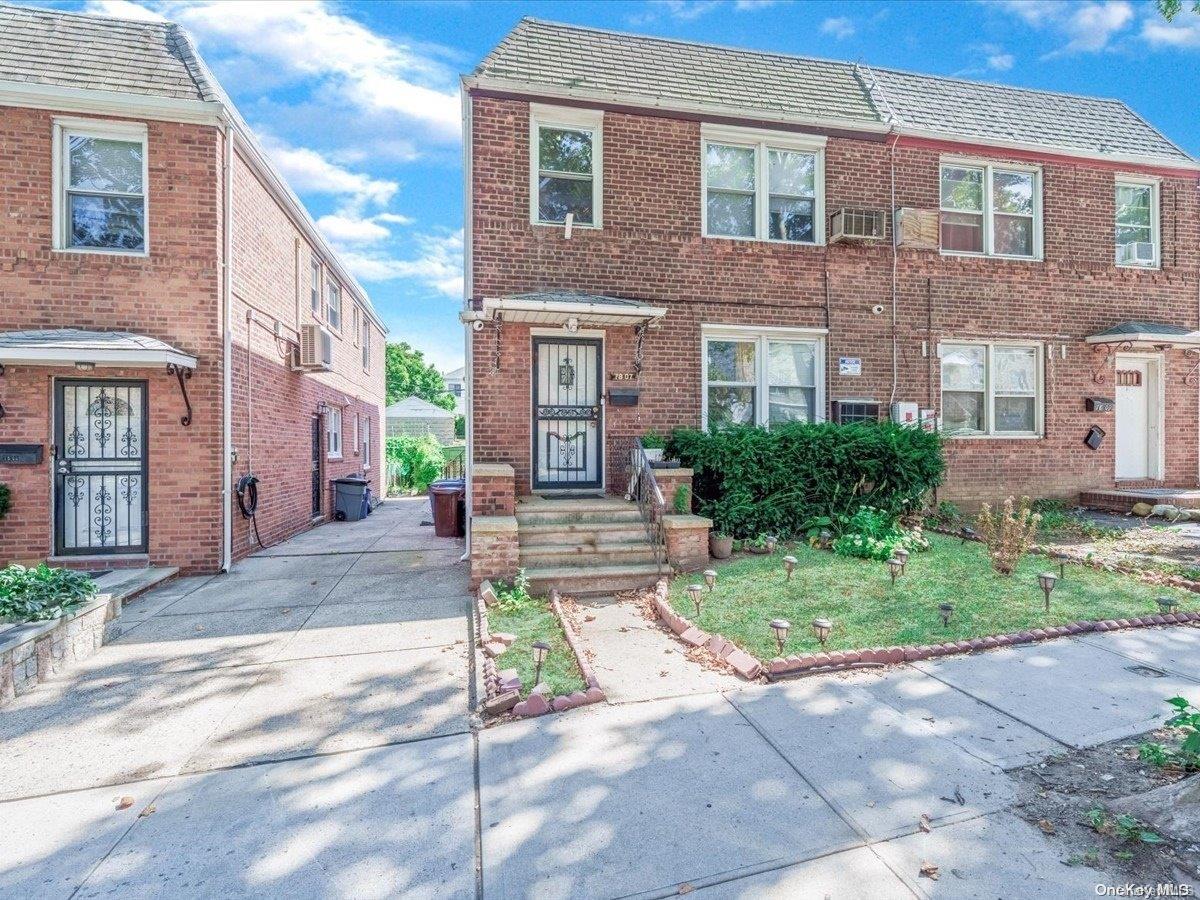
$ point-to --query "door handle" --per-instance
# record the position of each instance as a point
(63, 466)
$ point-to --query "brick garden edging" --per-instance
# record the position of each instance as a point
(721, 647)
(503, 695)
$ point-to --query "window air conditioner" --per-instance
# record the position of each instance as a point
(848, 224)
(1140, 253)
(316, 348)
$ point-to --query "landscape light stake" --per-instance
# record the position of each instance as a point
(1062, 564)
(968, 533)
(696, 592)
(1047, 581)
(772, 543)
(901, 554)
(895, 567)
(821, 628)
(946, 610)
(710, 578)
(789, 563)
(781, 627)
(540, 650)
(1167, 605)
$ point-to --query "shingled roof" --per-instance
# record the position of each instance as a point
(44, 46)
(582, 62)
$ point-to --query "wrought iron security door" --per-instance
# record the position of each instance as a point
(100, 490)
(316, 467)
(568, 429)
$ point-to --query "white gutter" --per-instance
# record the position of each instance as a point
(566, 307)
(227, 356)
(85, 100)
(468, 285)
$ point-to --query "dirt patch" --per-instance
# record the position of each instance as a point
(1172, 549)
(1075, 799)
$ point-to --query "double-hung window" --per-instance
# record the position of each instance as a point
(333, 305)
(366, 442)
(333, 427)
(101, 173)
(1137, 222)
(762, 377)
(366, 344)
(991, 210)
(763, 186)
(314, 286)
(992, 389)
(565, 165)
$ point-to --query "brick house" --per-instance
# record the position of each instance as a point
(159, 280)
(664, 233)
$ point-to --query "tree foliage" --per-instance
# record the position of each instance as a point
(1169, 9)
(408, 375)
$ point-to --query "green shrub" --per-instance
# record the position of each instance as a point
(652, 440)
(413, 462)
(683, 500)
(873, 534)
(1053, 512)
(800, 476)
(5, 499)
(460, 426)
(31, 595)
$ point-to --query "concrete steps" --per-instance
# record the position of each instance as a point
(587, 554)
(595, 533)
(584, 580)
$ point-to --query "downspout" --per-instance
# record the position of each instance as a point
(227, 354)
(895, 255)
(468, 355)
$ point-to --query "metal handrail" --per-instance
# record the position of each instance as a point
(643, 487)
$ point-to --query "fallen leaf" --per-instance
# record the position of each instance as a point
(1046, 825)
(930, 871)
(924, 824)
(125, 802)
(148, 811)
(685, 888)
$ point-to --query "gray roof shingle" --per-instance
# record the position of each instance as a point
(43, 46)
(664, 71)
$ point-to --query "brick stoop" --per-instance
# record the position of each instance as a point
(1121, 500)
(594, 545)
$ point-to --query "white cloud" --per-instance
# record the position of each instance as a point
(841, 27)
(1184, 32)
(122, 9)
(307, 171)
(752, 5)
(438, 264)
(346, 227)
(1086, 27)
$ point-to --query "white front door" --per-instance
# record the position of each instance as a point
(1136, 450)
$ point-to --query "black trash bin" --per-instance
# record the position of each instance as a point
(448, 499)
(349, 494)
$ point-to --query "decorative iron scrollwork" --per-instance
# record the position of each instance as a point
(1106, 352)
(568, 412)
(566, 374)
(182, 374)
(1190, 377)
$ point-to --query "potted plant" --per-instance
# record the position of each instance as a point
(654, 444)
(720, 545)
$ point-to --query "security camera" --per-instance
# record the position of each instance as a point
(877, 309)
(477, 325)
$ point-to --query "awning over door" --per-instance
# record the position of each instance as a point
(71, 346)
(1147, 334)
(564, 308)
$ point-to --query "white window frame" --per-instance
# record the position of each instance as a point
(762, 141)
(357, 434)
(333, 433)
(366, 442)
(316, 280)
(1155, 230)
(990, 167)
(989, 391)
(333, 290)
(762, 337)
(572, 119)
(61, 179)
(366, 343)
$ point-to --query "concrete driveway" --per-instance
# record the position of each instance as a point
(301, 728)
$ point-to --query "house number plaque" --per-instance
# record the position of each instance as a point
(622, 376)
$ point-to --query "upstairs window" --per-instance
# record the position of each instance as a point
(762, 187)
(991, 210)
(991, 389)
(314, 286)
(101, 175)
(333, 305)
(366, 344)
(565, 165)
(761, 378)
(1137, 223)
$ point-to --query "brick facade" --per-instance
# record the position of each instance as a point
(650, 247)
(173, 294)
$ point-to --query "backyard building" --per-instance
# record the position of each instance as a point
(417, 417)
(173, 319)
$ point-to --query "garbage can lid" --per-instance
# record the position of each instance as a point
(448, 486)
(351, 479)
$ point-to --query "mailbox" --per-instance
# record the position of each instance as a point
(1099, 404)
(622, 396)
(20, 454)
(1094, 438)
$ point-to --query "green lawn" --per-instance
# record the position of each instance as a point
(533, 622)
(857, 596)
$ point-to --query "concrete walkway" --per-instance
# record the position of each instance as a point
(300, 727)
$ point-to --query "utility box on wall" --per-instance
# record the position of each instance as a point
(905, 413)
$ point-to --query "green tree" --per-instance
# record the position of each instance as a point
(1171, 8)
(409, 375)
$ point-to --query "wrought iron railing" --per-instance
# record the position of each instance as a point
(643, 487)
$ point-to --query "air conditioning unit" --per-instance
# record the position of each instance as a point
(1139, 253)
(850, 224)
(918, 229)
(316, 348)
(853, 412)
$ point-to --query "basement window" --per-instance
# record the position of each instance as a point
(991, 389)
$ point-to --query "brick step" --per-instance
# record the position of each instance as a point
(578, 580)
(586, 555)
(597, 533)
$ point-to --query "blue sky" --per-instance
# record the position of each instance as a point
(358, 102)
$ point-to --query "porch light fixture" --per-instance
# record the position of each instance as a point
(85, 366)
(781, 627)
(572, 324)
(1047, 580)
(967, 533)
(895, 567)
(1166, 604)
(540, 650)
(710, 578)
(696, 592)
(821, 628)
(322, 408)
(772, 542)
(946, 610)
(825, 539)
(789, 565)
(901, 554)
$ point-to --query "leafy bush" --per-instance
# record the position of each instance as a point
(1009, 534)
(652, 440)
(873, 534)
(1053, 512)
(460, 426)
(31, 595)
(801, 476)
(1187, 757)
(514, 597)
(5, 499)
(683, 500)
(413, 462)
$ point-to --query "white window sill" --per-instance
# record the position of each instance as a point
(1135, 268)
(999, 436)
(1000, 256)
(595, 226)
(336, 456)
(758, 240)
(100, 251)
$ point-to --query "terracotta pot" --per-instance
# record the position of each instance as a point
(720, 547)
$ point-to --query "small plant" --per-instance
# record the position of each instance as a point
(514, 597)
(683, 500)
(1187, 757)
(1008, 535)
(5, 499)
(873, 534)
(1124, 827)
(652, 440)
(33, 595)
(1053, 512)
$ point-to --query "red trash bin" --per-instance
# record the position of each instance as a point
(447, 498)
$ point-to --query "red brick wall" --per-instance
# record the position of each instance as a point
(650, 247)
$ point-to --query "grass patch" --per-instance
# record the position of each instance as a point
(532, 620)
(857, 595)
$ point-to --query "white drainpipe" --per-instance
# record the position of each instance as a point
(227, 356)
(469, 363)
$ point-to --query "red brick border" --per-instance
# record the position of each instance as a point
(738, 659)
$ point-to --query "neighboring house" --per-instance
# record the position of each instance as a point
(455, 384)
(711, 230)
(414, 416)
(173, 319)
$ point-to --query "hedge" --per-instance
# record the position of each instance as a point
(413, 462)
(795, 477)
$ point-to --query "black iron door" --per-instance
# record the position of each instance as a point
(568, 426)
(101, 496)
(316, 466)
